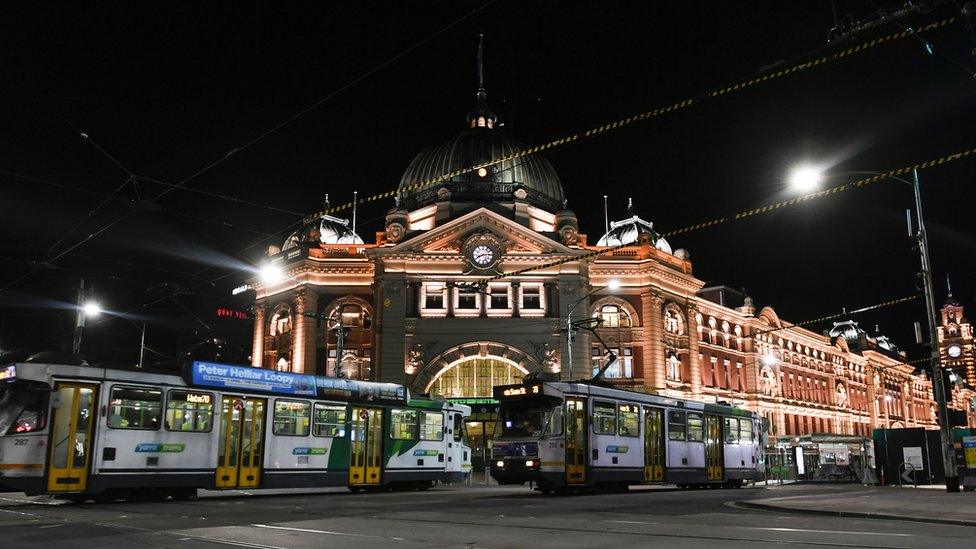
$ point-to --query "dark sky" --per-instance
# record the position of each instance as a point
(167, 89)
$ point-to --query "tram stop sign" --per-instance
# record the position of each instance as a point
(239, 405)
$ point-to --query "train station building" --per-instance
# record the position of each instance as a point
(410, 311)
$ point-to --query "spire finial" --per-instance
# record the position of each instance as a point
(630, 206)
(948, 285)
(481, 66)
(325, 203)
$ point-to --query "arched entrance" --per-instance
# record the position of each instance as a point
(467, 374)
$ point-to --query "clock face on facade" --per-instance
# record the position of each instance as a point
(954, 351)
(482, 255)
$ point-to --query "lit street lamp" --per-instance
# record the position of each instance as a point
(807, 179)
(612, 285)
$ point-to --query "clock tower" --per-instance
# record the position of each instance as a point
(956, 345)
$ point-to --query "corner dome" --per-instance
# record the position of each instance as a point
(631, 230)
(848, 329)
(326, 229)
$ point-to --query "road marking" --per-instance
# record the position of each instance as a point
(18, 513)
(629, 522)
(189, 535)
(312, 531)
(804, 530)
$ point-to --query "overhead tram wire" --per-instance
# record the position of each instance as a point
(237, 150)
(843, 314)
(746, 214)
(759, 77)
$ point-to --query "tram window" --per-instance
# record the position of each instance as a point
(433, 426)
(629, 420)
(403, 424)
(676, 425)
(189, 411)
(135, 408)
(33, 416)
(458, 428)
(731, 430)
(604, 418)
(554, 422)
(329, 420)
(291, 418)
(696, 427)
(745, 431)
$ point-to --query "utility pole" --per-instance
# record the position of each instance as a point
(142, 345)
(938, 384)
(80, 319)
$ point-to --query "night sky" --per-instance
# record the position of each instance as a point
(167, 90)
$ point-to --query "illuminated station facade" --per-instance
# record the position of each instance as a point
(410, 312)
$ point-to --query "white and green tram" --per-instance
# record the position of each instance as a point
(562, 435)
(82, 431)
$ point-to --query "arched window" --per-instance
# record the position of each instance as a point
(277, 343)
(674, 367)
(614, 316)
(673, 321)
(475, 377)
(352, 357)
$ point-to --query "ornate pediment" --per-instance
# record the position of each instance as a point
(451, 237)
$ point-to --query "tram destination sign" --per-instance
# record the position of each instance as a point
(509, 392)
(246, 378)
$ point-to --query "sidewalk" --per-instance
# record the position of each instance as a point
(880, 502)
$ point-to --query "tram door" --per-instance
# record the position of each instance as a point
(575, 440)
(366, 446)
(653, 445)
(71, 437)
(713, 447)
(241, 442)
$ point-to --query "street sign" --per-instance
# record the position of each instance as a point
(239, 405)
(363, 415)
(908, 474)
(969, 449)
(913, 457)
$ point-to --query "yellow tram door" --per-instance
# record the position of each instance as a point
(71, 437)
(713, 447)
(575, 440)
(241, 442)
(653, 444)
(366, 448)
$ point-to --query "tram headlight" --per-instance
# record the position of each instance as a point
(500, 464)
(529, 463)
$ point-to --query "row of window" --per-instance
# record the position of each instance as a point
(193, 411)
(499, 296)
(624, 420)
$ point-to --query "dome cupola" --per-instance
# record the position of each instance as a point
(633, 230)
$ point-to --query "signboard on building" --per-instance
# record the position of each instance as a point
(969, 450)
(913, 457)
(246, 378)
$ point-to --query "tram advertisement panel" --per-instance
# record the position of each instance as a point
(244, 378)
(360, 391)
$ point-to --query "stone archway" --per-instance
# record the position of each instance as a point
(505, 357)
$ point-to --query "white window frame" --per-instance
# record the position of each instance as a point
(459, 312)
(493, 311)
(541, 311)
(433, 311)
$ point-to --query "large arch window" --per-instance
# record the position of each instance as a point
(354, 360)
(277, 342)
(673, 321)
(475, 377)
(614, 316)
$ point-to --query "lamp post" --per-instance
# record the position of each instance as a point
(613, 284)
(805, 179)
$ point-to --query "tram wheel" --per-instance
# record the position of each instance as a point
(423, 485)
(355, 489)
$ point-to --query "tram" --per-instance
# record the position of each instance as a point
(564, 436)
(80, 431)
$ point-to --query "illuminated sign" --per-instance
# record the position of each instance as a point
(155, 448)
(240, 289)
(8, 373)
(360, 391)
(518, 391)
(246, 378)
(305, 451)
(198, 398)
(224, 312)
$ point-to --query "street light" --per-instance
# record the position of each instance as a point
(805, 178)
(801, 175)
(612, 284)
(769, 359)
(92, 309)
(271, 273)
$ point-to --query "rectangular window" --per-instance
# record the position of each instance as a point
(745, 431)
(329, 420)
(531, 297)
(458, 428)
(676, 425)
(33, 416)
(554, 423)
(629, 420)
(696, 427)
(292, 418)
(403, 424)
(499, 297)
(467, 297)
(604, 418)
(135, 408)
(432, 426)
(189, 411)
(731, 430)
(434, 296)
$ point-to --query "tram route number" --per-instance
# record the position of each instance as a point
(20, 442)
(363, 415)
(239, 405)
